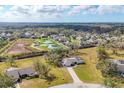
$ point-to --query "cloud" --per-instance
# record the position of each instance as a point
(92, 9)
(110, 9)
(36, 11)
(29, 12)
(79, 9)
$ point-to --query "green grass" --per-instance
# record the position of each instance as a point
(60, 73)
(62, 77)
(87, 72)
(5, 48)
(45, 46)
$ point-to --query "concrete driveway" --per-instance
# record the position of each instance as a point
(17, 85)
(77, 83)
(73, 75)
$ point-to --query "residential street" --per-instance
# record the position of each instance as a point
(77, 83)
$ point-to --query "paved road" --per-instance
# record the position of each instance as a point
(77, 83)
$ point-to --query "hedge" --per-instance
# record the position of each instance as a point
(23, 55)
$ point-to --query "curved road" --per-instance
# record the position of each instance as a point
(77, 83)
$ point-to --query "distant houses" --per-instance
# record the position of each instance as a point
(6, 35)
(61, 38)
(29, 35)
(72, 61)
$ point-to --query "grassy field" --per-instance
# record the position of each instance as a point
(87, 72)
(36, 82)
(120, 54)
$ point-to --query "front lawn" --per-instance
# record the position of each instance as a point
(61, 74)
(62, 77)
(87, 72)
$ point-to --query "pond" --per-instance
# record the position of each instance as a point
(49, 44)
(52, 46)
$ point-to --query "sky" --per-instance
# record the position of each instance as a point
(62, 13)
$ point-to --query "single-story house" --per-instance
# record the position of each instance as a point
(72, 61)
(19, 74)
(120, 64)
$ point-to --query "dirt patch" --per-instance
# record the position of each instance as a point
(19, 47)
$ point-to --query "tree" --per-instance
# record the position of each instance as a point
(101, 53)
(75, 44)
(110, 73)
(42, 69)
(107, 68)
(6, 81)
(54, 57)
(11, 61)
(109, 83)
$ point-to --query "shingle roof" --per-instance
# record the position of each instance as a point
(16, 73)
(29, 71)
(13, 73)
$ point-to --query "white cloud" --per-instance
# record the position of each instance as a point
(110, 9)
(79, 9)
(36, 11)
(105, 9)
(50, 12)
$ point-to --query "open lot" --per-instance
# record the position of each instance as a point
(61, 74)
(87, 72)
(20, 46)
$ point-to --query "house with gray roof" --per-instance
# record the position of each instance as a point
(120, 65)
(72, 61)
(19, 74)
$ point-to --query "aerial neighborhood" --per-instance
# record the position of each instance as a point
(52, 56)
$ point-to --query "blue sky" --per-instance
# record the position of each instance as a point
(62, 13)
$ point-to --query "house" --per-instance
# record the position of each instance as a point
(44, 35)
(6, 35)
(19, 74)
(25, 35)
(72, 61)
(120, 65)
